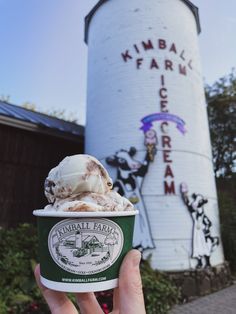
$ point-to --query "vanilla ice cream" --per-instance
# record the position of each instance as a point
(81, 183)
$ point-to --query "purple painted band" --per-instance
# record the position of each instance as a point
(148, 121)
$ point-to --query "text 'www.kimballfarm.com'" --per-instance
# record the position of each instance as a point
(84, 279)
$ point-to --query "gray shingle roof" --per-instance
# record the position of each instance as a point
(42, 121)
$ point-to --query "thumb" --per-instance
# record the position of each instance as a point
(130, 285)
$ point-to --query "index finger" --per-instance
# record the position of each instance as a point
(57, 301)
(88, 303)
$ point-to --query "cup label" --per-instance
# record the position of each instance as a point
(86, 247)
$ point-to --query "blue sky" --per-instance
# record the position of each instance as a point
(43, 57)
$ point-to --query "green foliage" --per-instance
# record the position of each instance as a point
(5, 98)
(221, 99)
(18, 291)
(29, 106)
(160, 293)
(227, 205)
(62, 114)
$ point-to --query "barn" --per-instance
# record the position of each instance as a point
(31, 144)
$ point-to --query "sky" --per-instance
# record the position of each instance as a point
(43, 57)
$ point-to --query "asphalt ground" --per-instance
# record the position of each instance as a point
(221, 302)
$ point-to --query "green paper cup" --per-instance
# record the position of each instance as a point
(83, 251)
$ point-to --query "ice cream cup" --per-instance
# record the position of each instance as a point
(83, 251)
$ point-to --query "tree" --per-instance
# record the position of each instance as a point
(5, 98)
(29, 105)
(56, 113)
(221, 99)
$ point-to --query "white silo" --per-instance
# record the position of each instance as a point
(147, 123)
(78, 239)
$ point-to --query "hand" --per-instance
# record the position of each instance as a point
(127, 298)
(183, 188)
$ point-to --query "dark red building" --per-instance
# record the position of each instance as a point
(31, 143)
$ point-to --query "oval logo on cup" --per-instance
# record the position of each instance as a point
(85, 246)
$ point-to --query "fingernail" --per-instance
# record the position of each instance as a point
(136, 259)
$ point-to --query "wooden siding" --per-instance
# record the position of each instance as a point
(25, 160)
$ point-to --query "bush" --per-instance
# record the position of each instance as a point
(19, 293)
(160, 293)
(227, 205)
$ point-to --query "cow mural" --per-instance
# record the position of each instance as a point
(203, 243)
(128, 183)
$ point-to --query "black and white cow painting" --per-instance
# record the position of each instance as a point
(203, 243)
(128, 183)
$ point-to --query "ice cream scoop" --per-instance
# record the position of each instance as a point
(81, 183)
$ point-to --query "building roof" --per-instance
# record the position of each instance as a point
(88, 18)
(20, 117)
(90, 238)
